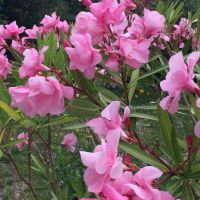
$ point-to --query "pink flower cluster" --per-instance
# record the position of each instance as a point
(106, 26)
(5, 66)
(110, 120)
(106, 175)
(179, 79)
(21, 145)
(70, 141)
(41, 96)
(183, 32)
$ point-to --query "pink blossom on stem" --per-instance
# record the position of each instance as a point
(107, 12)
(69, 142)
(135, 52)
(50, 22)
(112, 63)
(17, 46)
(13, 31)
(179, 78)
(142, 185)
(5, 66)
(151, 24)
(32, 63)
(83, 56)
(110, 13)
(87, 3)
(64, 26)
(129, 4)
(41, 96)
(3, 33)
(21, 145)
(87, 23)
(103, 164)
(32, 33)
(110, 120)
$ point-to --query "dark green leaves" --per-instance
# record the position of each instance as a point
(169, 136)
(140, 154)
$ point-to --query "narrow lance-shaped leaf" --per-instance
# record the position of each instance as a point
(133, 150)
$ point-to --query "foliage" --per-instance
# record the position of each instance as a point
(58, 82)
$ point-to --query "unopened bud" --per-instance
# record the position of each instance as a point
(87, 3)
(189, 140)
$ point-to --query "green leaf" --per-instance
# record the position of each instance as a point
(75, 126)
(59, 121)
(39, 42)
(133, 84)
(196, 187)
(144, 116)
(106, 96)
(169, 136)
(135, 151)
(4, 92)
(25, 122)
(60, 59)
(51, 42)
(173, 186)
(153, 72)
(1, 153)
(82, 108)
(146, 107)
(166, 128)
(187, 193)
(13, 143)
(77, 186)
(41, 169)
(10, 111)
(18, 56)
(198, 25)
(193, 103)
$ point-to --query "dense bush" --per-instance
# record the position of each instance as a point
(106, 108)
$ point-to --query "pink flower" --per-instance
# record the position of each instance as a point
(17, 46)
(87, 3)
(112, 194)
(150, 25)
(21, 145)
(50, 22)
(142, 185)
(109, 12)
(129, 4)
(41, 96)
(135, 52)
(103, 164)
(32, 33)
(69, 142)
(179, 78)
(12, 30)
(112, 63)
(3, 33)
(197, 129)
(32, 63)
(5, 66)
(83, 56)
(182, 29)
(110, 120)
(87, 23)
(64, 26)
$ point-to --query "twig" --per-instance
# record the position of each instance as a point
(124, 81)
(150, 151)
(29, 184)
(51, 160)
